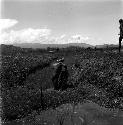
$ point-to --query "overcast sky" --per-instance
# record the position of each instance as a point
(61, 21)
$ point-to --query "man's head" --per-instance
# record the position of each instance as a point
(61, 60)
(121, 21)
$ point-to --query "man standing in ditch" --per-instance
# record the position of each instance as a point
(121, 33)
(61, 75)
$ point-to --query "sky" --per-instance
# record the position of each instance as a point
(93, 22)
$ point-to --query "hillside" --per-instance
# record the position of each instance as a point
(38, 45)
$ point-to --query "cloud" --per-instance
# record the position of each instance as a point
(30, 35)
(26, 35)
(79, 37)
(62, 36)
(58, 40)
(7, 23)
(43, 36)
(76, 36)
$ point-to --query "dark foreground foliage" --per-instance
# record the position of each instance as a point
(105, 71)
(16, 66)
(21, 102)
(96, 75)
(15, 69)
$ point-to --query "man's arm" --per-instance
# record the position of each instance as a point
(121, 30)
(121, 27)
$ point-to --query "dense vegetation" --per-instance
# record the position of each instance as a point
(95, 73)
(17, 65)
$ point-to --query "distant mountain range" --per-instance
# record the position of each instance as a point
(83, 45)
(38, 45)
(107, 45)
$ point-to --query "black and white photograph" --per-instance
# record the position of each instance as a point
(61, 62)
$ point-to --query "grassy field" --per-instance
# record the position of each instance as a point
(97, 97)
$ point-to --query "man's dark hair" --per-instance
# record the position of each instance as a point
(121, 20)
